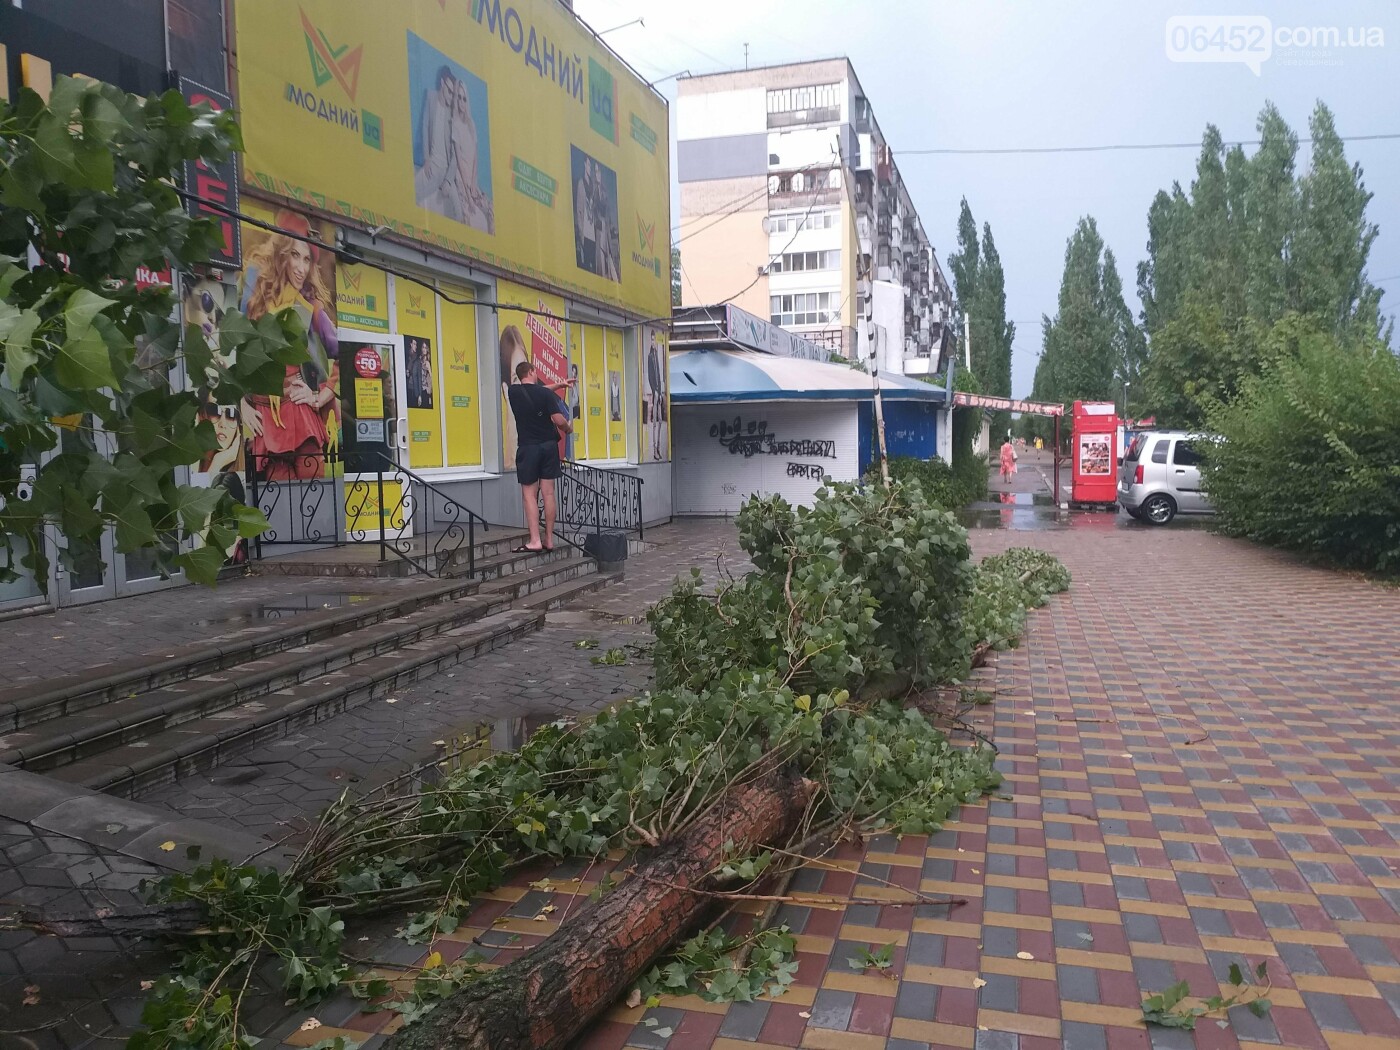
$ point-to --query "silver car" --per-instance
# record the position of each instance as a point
(1161, 476)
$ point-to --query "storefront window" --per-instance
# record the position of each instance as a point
(416, 310)
(461, 391)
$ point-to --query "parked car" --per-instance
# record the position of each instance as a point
(1161, 476)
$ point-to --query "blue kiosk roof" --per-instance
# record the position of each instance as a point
(706, 376)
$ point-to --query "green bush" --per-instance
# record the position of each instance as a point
(1310, 459)
(1007, 585)
(941, 485)
(866, 582)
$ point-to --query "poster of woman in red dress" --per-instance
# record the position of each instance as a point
(295, 435)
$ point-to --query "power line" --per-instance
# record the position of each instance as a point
(738, 205)
(1110, 148)
(763, 270)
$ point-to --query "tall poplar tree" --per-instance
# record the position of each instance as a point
(1088, 342)
(980, 285)
(1249, 245)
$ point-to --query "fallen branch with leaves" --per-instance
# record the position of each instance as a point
(785, 719)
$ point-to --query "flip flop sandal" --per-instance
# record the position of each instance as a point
(522, 549)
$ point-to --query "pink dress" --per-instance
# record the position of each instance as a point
(1008, 459)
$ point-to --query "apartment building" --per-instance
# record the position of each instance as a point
(792, 207)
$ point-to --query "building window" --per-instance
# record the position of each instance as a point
(826, 219)
(801, 262)
(798, 99)
(803, 308)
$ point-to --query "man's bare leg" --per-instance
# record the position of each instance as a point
(550, 509)
(530, 495)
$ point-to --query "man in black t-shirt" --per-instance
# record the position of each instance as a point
(538, 422)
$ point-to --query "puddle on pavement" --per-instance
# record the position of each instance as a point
(284, 608)
(478, 741)
(1017, 511)
(590, 618)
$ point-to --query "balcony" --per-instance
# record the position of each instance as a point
(798, 117)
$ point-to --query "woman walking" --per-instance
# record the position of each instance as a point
(1008, 460)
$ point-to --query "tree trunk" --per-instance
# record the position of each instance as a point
(159, 920)
(546, 997)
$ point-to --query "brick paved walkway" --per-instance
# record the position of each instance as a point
(1202, 758)
(64, 640)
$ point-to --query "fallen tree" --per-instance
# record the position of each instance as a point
(807, 672)
(548, 996)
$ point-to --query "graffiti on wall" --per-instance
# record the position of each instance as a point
(753, 438)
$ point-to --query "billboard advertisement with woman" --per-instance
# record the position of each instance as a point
(451, 138)
(538, 337)
(291, 434)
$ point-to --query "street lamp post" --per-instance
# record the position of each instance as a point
(1126, 384)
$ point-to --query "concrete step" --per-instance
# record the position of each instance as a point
(366, 559)
(58, 742)
(204, 742)
(78, 691)
(550, 598)
(542, 573)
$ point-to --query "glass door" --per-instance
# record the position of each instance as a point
(375, 408)
(85, 570)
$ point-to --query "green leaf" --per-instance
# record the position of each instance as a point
(102, 120)
(251, 521)
(18, 330)
(202, 564)
(84, 363)
(57, 151)
(1260, 1007)
(82, 306)
(1236, 974)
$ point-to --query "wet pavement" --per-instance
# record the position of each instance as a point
(1201, 745)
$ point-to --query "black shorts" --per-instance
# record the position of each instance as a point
(535, 463)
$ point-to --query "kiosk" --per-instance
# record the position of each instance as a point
(1094, 453)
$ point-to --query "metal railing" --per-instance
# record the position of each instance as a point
(297, 493)
(417, 521)
(308, 502)
(602, 498)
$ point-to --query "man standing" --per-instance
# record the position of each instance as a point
(538, 423)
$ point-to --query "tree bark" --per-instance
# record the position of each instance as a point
(156, 920)
(548, 996)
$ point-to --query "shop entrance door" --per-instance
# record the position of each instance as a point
(95, 572)
(378, 497)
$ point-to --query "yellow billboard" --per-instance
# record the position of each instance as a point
(502, 131)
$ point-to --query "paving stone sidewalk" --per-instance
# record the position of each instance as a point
(1202, 758)
(87, 991)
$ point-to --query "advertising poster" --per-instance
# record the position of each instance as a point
(595, 372)
(362, 297)
(656, 398)
(617, 423)
(1095, 455)
(204, 299)
(528, 337)
(461, 392)
(597, 245)
(292, 435)
(416, 309)
(502, 132)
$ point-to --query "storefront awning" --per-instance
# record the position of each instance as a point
(708, 376)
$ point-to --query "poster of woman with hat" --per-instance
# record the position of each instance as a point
(291, 435)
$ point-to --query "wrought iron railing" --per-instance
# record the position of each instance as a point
(611, 497)
(417, 521)
(308, 502)
(297, 494)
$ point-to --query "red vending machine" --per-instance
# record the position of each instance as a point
(1095, 474)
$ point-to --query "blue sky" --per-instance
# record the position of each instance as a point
(994, 73)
